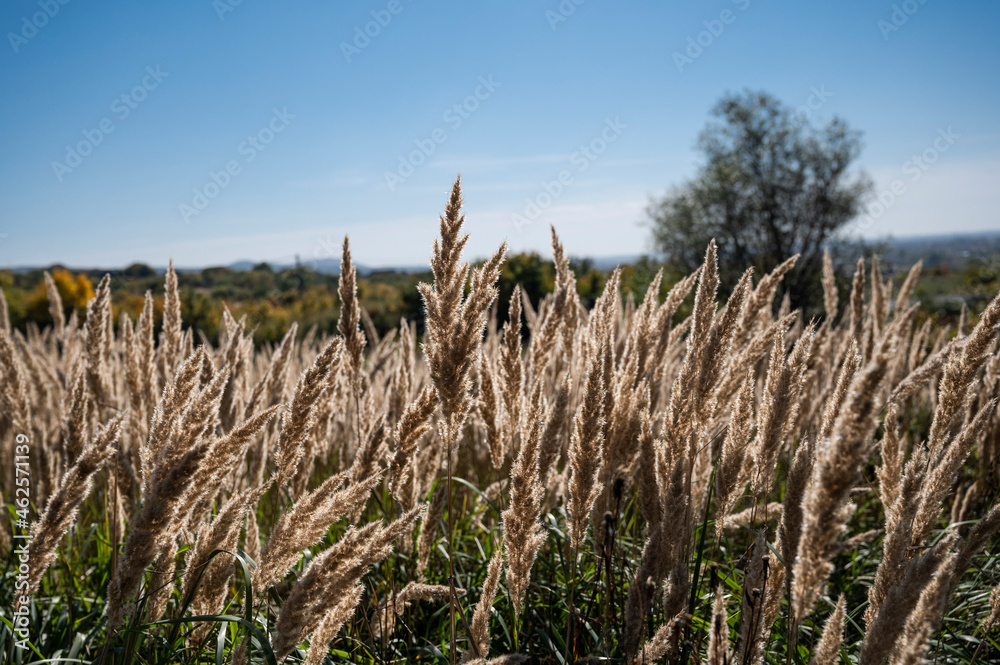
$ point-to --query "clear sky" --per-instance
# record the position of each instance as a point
(120, 119)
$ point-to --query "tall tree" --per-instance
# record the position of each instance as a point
(772, 185)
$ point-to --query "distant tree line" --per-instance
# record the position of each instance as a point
(273, 299)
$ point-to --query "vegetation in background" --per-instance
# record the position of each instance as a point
(272, 300)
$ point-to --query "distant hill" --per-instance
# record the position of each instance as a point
(324, 267)
(951, 249)
(945, 249)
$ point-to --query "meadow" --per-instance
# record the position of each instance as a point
(674, 477)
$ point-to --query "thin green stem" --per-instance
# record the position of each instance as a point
(701, 545)
(451, 541)
(695, 581)
(570, 633)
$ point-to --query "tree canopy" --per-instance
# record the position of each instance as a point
(772, 185)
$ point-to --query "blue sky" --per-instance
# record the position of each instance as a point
(215, 131)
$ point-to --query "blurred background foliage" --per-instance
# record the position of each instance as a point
(272, 299)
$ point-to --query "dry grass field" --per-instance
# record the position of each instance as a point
(621, 485)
